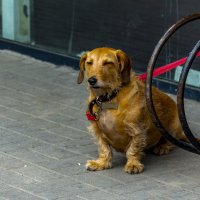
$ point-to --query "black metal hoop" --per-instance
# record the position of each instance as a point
(180, 96)
(148, 92)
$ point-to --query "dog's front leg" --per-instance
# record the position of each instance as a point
(134, 156)
(105, 154)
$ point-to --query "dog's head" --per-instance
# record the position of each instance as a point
(105, 68)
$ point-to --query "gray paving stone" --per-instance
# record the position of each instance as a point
(196, 188)
(174, 193)
(9, 137)
(4, 187)
(10, 163)
(71, 198)
(69, 120)
(37, 173)
(53, 151)
(100, 195)
(143, 184)
(77, 113)
(3, 198)
(10, 177)
(176, 179)
(73, 170)
(118, 173)
(75, 162)
(73, 133)
(30, 156)
(59, 188)
(96, 180)
(15, 194)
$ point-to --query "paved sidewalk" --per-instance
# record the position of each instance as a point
(44, 143)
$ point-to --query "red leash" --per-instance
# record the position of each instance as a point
(156, 72)
(166, 68)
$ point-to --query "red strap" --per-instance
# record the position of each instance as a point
(90, 117)
(165, 68)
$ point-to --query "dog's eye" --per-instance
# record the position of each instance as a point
(107, 63)
(89, 63)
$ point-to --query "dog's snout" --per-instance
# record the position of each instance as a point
(92, 80)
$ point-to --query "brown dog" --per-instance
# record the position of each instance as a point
(123, 122)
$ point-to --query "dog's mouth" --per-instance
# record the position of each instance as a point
(95, 87)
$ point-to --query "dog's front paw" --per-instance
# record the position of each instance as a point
(133, 168)
(96, 165)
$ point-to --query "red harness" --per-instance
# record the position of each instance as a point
(157, 72)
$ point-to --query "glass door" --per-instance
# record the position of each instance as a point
(16, 20)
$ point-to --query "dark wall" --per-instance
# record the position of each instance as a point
(51, 23)
(75, 26)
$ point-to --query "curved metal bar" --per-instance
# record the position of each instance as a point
(180, 96)
(148, 92)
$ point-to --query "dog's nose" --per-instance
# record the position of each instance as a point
(92, 80)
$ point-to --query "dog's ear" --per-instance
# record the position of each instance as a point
(125, 66)
(82, 68)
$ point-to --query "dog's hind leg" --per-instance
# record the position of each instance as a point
(163, 148)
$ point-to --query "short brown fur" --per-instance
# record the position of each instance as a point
(129, 128)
